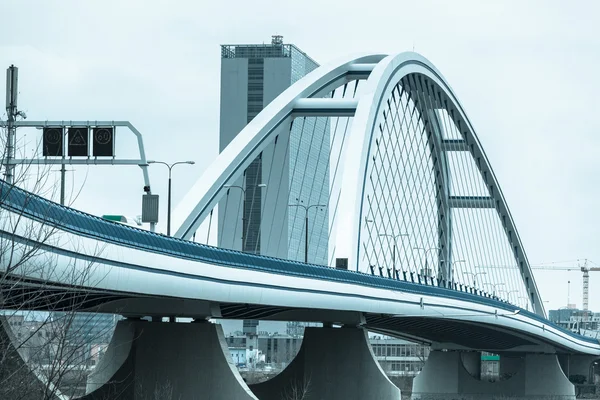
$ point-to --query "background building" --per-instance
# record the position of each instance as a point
(255, 216)
(399, 357)
(576, 320)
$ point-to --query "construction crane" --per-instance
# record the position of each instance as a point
(583, 268)
(586, 277)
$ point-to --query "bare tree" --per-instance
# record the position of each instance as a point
(41, 348)
(298, 389)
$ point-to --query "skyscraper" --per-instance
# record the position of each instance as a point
(258, 214)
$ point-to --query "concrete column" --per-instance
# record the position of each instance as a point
(18, 380)
(578, 365)
(332, 364)
(472, 362)
(168, 361)
(444, 377)
(510, 364)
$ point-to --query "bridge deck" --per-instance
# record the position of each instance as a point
(80, 223)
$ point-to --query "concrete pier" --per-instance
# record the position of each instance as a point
(167, 360)
(18, 380)
(332, 364)
(534, 376)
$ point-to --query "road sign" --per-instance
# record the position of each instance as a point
(103, 142)
(150, 208)
(78, 142)
(52, 142)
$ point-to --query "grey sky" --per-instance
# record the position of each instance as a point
(525, 72)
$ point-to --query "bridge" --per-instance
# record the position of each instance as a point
(419, 239)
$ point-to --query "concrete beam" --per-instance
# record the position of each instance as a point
(332, 364)
(160, 307)
(338, 317)
(454, 145)
(317, 107)
(471, 202)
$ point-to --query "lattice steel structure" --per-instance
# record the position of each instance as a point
(411, 193)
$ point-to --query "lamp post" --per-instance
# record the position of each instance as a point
(306, 208)
(508, 293)
(260, 185)
(526, 302)
(475, 275)
(454, 263)
(170, 166)
(395, 238)
(426, 250)
(494, 286)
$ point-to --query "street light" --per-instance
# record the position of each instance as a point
(526, 302)
(170, 166)
(475, 274)
(395, 237)
(426, 250)
(260, 185)
(508, 292)
(306, 208)
(451, 271)
(494, 286)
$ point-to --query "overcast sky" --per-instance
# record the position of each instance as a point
(525, 71)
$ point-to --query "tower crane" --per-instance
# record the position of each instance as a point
(585, 268)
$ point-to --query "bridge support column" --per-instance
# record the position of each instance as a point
(472, 363)
(510, 364)
(332, 364)
(18, 380)
(167, 360)
(576, 366)
(444, 376)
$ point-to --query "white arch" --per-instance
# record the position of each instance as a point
(257, 135)
(387, 72)
(386, 75)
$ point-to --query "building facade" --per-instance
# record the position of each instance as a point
(397, 357)
(262, 211)
(575, 320)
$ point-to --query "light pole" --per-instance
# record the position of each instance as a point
(508, 293)
(170, 166)
(260, 185)
(306, 208)
(475, 274)
(526, 302)
(451, 271)
(395, 238)
(426, 250)
(494, 286)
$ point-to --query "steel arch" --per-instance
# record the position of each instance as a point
(258, 134)
(383, 72)
(386, 74)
